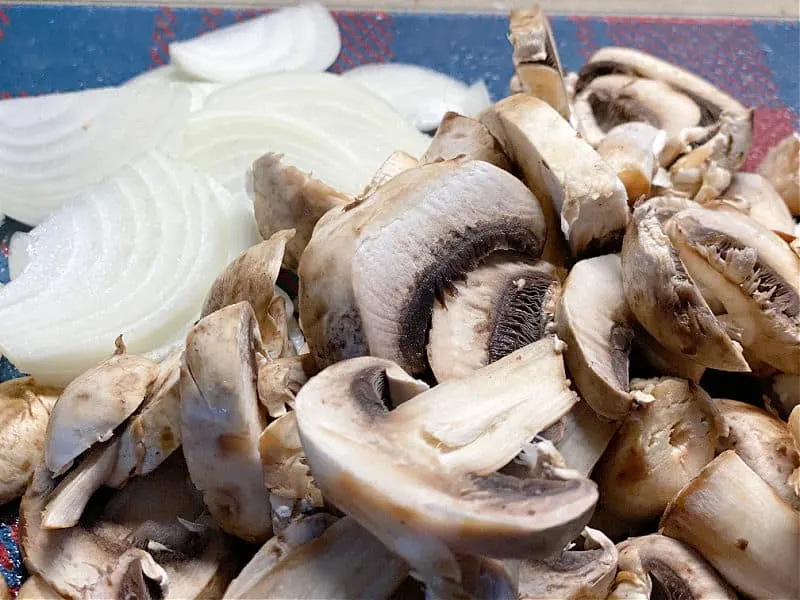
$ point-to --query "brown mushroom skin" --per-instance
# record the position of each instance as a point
(24, 411)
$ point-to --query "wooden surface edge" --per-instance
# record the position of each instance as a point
(775, 9)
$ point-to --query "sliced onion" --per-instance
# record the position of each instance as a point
(303, 37)
(420, 94)
(346, 114)
(54, 147)
(171, 75)
(135, 256)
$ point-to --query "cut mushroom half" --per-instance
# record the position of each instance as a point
(658, 449)
(319, 558)
(501, 306)
(221, 421)
(754, 196)
(665, 299)
(593, 319)
(584, 569)
(439, 449)
(660, 562)
(752, 273)
(764, 443)
(781, 167)
(280, 380)
(286, 198)
(93, 405)
(632, 151)
(582, 196)
(24, 411)
(756, 551)
(462, 136)
(536, 61)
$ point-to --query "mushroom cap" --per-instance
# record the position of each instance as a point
(677, 569)
(94, 404)
(428, 226)
(665, 298)
(286, 198)
(458, 135)
(751, 272)
(585, 570)
(593, 318)
(502, 305)
(24, 410)
(221, 421)
(382, 466)
(580, 194)
(764, 443)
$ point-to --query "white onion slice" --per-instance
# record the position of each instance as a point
(171, 75)
(54, 147)
(303, 37)
(344, 112)
(420, 94)
(136, 255)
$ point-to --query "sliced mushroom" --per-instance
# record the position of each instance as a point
(666, 300)
(24, 410)
(280, 380)
(752, 273)
(783, 395)
(536, 60)
(221, 421)
(764, 443)
(794, 427)
(481, 577)
(251, 277)
(781, 167)
(665, 361)
(581, 437)
(438, 450)
(632, 150)
(741, 526)
(753, 195)
(286, 198)
(461, 136)
(583, 570)
(660, 447)
(397, 162)
(34, 588)
(419, 239)
(105, 555)
(501, 305)
(581, 195)
(594, 320)
(317, 559)
(679, 573)
(93, 405)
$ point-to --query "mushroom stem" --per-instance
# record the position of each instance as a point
(585, 438)
(632, 150)
(741, 526)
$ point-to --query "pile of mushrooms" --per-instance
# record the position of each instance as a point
(506, 384)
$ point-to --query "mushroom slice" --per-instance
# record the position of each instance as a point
(632, 151)
(584, 569)
(419, 239)
(582, 437)
(279, 381)
(754, 196)
(741, 526)
(93, 405)
(764, 443)
(606, 101)
(394, 165)
(536, 58)
(34, 588)
(577, 188)
(662, 562)
(221, 421)
(781, 167)
(660, 447)
(666, 362)
(461, 136)
(24, 410)
(783, 395)
(251, 277)
(502, 305)
(286, 471)
(752, 273)
(794, 427)
(593, 319)
(153, 433)
(666, 300)
(439, 450)
(343, 561)
(286, 198)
